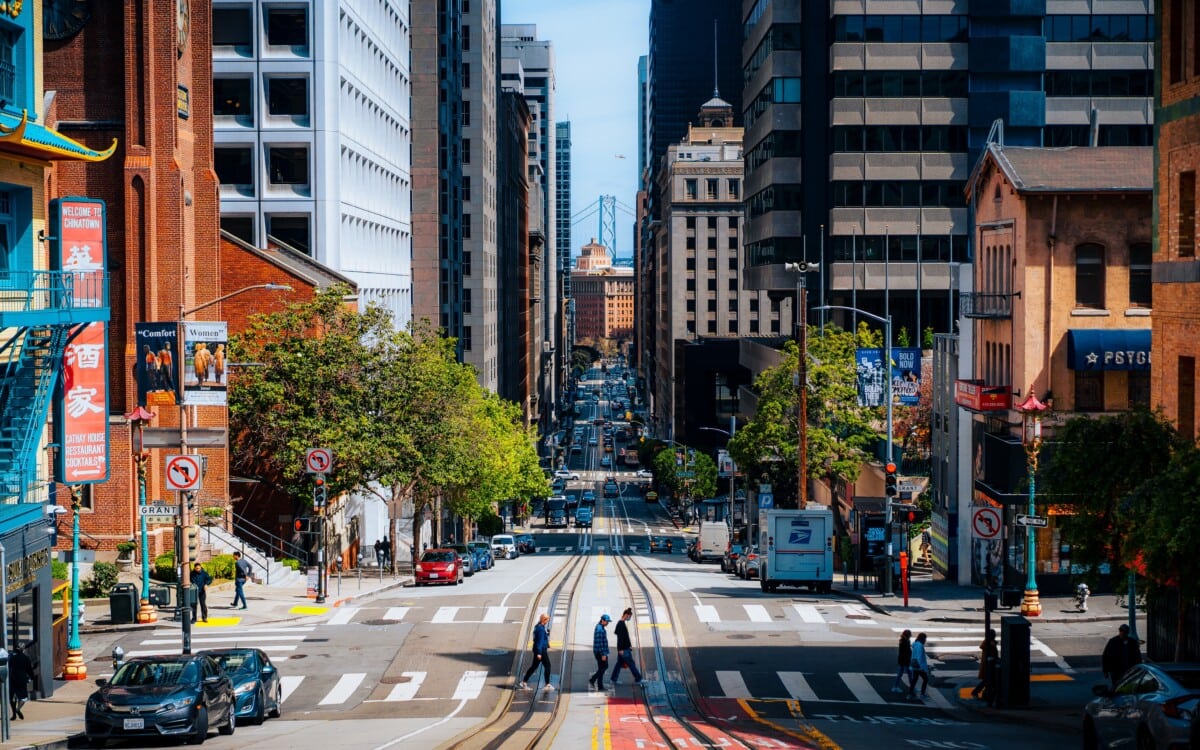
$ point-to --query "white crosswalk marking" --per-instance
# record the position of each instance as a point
(732, 685)
(757, 613)
(395, 613)
(342, 616)
(445, 614)
(707, 613)
(861, 688)
(797, 686)
(470, 685)
(495, 614)
(808, 613)
(858, 613)
(406, 691)
(345, 687)
(288, 684)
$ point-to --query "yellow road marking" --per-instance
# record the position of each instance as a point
(964, 693)
(218, 622)
(303, 609)
(811, 734)
(1053, 677)
(654, 624)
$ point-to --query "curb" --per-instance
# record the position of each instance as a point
(1021, 716)
(891, 612)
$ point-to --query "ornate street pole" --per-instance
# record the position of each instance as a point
(139, 417)
(1031, 410)
(75, 668)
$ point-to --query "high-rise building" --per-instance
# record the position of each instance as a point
(312, 135)
(643, 105)
(437, 120)
(562, 200)
(870, 169)
(1176, 270)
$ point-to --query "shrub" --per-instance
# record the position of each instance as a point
(213, 512)
(104, 577)
(220, 566)
(489, 524)
(124, 548)
(60, 571)
(290, 562)
(164, 568)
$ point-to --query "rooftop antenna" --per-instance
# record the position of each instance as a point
(716, 89)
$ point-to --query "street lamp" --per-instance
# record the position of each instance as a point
(800, 331)
(138, 418)
(181, 551)
(1031, 437)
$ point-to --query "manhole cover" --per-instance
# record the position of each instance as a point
(394, 680)
(858, 617)
(495, 651)
(293, 657)
(739, 637)
(380, 622)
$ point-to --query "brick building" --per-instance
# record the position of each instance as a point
(603, 295)
(1176, 274)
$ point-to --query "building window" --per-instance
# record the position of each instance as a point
(732, 305)
(690, 306)
(733, 263)
(287, 27)
(466, 75)
(232, 98)
(690, 242)
(232, 27)
(1186, 401)
(754, 304)
(712, 305)
(690, 222)
(1089, 276)
(292, 231)
(8, 249)
(733, 285)
(466, 263)
(288, 165)
(712, 285)
(690, 264)
(734, 187)
(733, 242)
(466, 113)
(466, 37)
(466, 339)
(712, 326)
(466, 150)
(710, 189)
(241, 227)
(1175, 40)
(689, 189)
(690, 285)
(1089, 390)
(466, 301)
(1139, 389)
(466, 226)
(234, 165)
(754, 325)
(1139, 275)
(712, 242)
(1187, 215)
(466, 188)
(287, 96)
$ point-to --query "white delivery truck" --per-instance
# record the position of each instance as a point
(796, 548)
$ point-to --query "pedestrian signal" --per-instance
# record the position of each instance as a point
(909, 514)
(891, 486)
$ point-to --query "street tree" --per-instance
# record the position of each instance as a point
(673, 464)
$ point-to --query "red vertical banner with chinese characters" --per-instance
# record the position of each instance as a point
(78, 250)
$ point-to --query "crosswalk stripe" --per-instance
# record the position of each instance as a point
(861, 688)
(732, 685)
(395, 613)
(470, 685)
(288, 684)
(495, 614)
(859, 614)
(249, 629)
(342, 616)
(406, 691)
(797, 686)
(808, 613)
(757, 613)
(345, 687)
(707, 613)
(445, 614)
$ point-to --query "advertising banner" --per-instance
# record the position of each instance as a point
(156, 369)
(77, 224)
(872, 379)
(906, 376)
(872, 376)
(81, 414)
(204, 375)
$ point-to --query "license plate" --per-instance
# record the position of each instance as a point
(135, 724)
(433, 575)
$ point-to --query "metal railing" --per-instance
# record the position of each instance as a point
(986, 305)
(32, 291)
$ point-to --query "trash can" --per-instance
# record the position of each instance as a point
(123, 603)
(160, 595)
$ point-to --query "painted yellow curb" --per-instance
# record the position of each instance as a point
(307, 610)
(218, 622)
(1053, 677)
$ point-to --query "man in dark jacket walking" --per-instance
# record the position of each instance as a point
(1120, 655)
(200, 579)
(600, 651)
(540, 652)
(20, 674)
(625, 650)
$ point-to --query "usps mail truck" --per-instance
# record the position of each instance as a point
(796, 548)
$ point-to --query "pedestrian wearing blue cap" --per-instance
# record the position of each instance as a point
(600, 651)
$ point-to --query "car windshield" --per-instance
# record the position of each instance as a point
(502, 540)
(237, 661)
(431, 556)
(156, 673)
(1188, 678)
(459, 548)
(480, 546)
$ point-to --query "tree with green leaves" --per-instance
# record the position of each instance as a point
(669, 462)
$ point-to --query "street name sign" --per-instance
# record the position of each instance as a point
(1036, 521)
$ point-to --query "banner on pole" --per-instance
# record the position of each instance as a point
(204, 375)
(873, 377)
(157, 369)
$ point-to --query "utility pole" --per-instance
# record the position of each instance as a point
(800, 334)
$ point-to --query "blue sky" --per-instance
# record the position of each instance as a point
(596, 48)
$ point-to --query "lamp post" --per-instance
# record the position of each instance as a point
(181, 552)
(139, 417)
(75, 668)
(1031, 437)
(800, 332)
(887, 357)
(733, 473)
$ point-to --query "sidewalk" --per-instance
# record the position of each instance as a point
(1056, 705)
(57, 722)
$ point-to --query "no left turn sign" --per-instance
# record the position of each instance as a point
(985, 523)
(318, 460)
(183, 473)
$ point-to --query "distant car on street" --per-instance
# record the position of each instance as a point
(592, 440)
(526, 545)
(644, 474)
(730, 558)
(583, 517)
(611, 489)
(566, 474)
(483, 551)
(606, 460)
(660, 544)
(1150, 708)
(504, 546)
(466, 558)
(747, 564)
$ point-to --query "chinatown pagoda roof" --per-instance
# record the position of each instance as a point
(24, 138)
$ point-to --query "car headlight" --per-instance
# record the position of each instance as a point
(419, 568)
(450, 568)
(245, 687)
(180, 702)
(95, 703)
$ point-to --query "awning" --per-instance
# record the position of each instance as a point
(20, 136)
(1108, 349)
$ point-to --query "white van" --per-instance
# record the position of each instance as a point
(504, 546)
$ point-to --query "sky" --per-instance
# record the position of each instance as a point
(596, 48)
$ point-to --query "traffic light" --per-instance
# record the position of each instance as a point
(319, 493)
(891, 486)
(908, 514)
(305, 525)
(193, 541)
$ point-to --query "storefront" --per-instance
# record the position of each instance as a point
(28, 619)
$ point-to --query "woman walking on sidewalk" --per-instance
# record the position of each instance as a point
(989, 662)
(920, 669)
(903, 662)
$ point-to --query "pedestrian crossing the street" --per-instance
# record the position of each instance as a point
(948, 644)
(864, 688)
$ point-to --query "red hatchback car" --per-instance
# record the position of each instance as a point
(439, 566)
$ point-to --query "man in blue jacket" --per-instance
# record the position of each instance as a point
(600, 651)
(541, 652)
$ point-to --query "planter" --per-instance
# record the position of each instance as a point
(125, 564)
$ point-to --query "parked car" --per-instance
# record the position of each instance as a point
(438, 565)
(747, 564)
(730, 558)
(660, 544)
(504, 547)
(1148, 708)
(155, 696)
(526, 545)
(483, 551)
(566, 474)
(644, 474)
(470, 561)
(257, 690)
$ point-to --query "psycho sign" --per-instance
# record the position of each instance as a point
(81, 418)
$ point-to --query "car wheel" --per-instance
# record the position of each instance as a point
(261, 702)
(277, 709)
(231, 723)
(1090, 740)
(200, 733)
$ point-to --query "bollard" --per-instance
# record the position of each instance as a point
(360, 562)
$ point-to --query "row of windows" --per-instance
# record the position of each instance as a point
(1058, 136)
(287, 96)
(777, 143)
(778, 197)
(1089, 389)
(286, 165)
(732, 262)
(731, 242)
(900, 28)
(710, 222)
(776, 91)
(1099, 28)
(712, 189)
(900, 193)
(292, 230)
(902, 248)
(285, 26)
(1100, 83)
(873, 138)
(910, 83)
(781, 37)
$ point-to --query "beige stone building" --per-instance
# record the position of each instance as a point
(603, 295)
